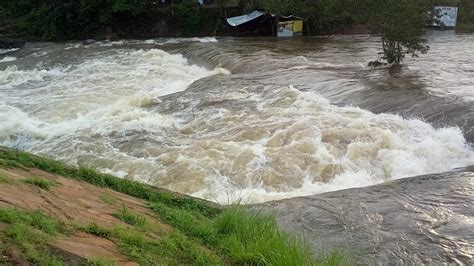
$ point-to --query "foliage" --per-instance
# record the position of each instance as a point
(131, 218)
(16, 8)
(321, 16)
(190, 223)
(95, 229)
(466, 15)
(4, 13)
(189, 13)
(100, 262)
(108, 198)
(40, 182)
(253, 238)
(3, 178)
(402, 25)
(172, 248)
(246, 237)
(69, 19)
(41, 24)
(30, 231)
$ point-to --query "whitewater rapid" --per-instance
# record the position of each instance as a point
(144, 111)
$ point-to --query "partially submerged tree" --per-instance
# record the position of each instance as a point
(402, 26)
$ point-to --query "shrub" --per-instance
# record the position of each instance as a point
(40, 182)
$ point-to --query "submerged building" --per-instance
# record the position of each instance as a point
(266, 24)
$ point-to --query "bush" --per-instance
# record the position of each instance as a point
(41, 24)
(190, 16)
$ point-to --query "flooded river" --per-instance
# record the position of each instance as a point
(250, 119)
(266, 119)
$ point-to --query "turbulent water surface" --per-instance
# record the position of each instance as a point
(267, 119)
(250, 119)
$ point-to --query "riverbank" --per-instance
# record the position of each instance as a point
(99, 20)
(54, 214)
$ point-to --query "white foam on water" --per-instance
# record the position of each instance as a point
(181, 40)
(12, 76)
(326, 148)
(4, 51)
(97, 96)
(7, 59)
(279, 142)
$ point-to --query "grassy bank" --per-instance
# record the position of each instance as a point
(172, 229)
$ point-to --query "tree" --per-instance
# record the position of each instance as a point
(402, 26)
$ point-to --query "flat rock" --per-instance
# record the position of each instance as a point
(421, 220)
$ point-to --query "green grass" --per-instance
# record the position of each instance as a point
(130, 218)
(30, 232)
(108, 198)
(245, 237)
(40, 182)
(4, 179)
(203, 234)
(19, 159)
(100, 262)
(172, 248)
(95, 229)
(192, 224)
(254, 238)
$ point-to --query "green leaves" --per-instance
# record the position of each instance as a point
(402, 25)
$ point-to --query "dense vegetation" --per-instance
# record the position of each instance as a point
(203, 234)
(334, 16)
(73, 19)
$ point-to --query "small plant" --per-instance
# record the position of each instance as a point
(100, 262)
(3, 179)
(40, 182)
(108, 198)
(96, 230)
(191, 223)
(133, 219)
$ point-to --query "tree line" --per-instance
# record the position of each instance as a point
(81, 19)
(401, 23)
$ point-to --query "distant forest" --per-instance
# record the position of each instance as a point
(82, 19)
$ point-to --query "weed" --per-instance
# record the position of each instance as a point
(30, 231)
(108, 198)
(35, 219)
(4, 179)
(253, 238)
(100, 262)
(94, 229)
(131, 218)
(192, 224)
(40, 182)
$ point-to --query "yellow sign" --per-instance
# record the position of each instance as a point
(290, 28)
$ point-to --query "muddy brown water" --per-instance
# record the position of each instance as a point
(259, 119)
